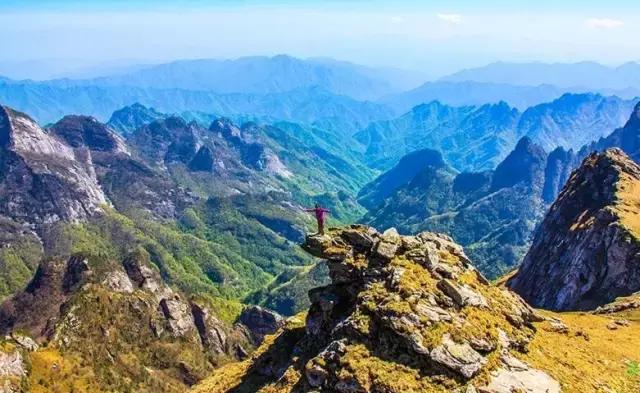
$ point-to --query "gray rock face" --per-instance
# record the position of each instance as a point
(12, 364)
(118, 282)
(516, 376)
(462, 295)
(25, 342)
(142, 275)
(260, 322)
(177, 314)
(587, 250)
(203, 160)
(44, 179)
(461, 358)
(87, 132)
(210, 329)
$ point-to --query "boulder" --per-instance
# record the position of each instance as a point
(12, 364)
(260, 322)
(177, 315)
(462, 295)
(461, 358)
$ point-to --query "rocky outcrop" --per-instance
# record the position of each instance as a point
(586, 252)
(167, 140)
(403, 313)
(130, 118)
(203, 160)
(97, 309)
(12, 364)
(525, 164)
(126, 180)
(248, 142)
(43, 179)
(87, 132)
(260, 322)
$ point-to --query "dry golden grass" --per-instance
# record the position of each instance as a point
(591, 357)
(628, 204)
(232, 375)
(52, 372)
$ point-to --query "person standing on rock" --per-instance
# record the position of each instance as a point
(320, 213)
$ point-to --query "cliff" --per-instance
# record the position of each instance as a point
(586, 252)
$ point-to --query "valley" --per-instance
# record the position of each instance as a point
(154, 237)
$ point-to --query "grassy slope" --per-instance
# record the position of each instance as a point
(589, 358)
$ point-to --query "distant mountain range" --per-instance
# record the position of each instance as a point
(48, 103)
(322, 92)
(492, 213)
(585, 75)
(477, 138)
(261, 75)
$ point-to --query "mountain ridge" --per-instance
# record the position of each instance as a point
(590, 75)
(586, 247)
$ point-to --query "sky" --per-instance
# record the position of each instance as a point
(48, 38)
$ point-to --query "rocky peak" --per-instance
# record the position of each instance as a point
(203, 160)
(167, 140)
(260, 322)
(130, 118)
(86, 131)
(586, 251)
(560, 162)
(226, 129)
(404, 313)
(525, 164)
(95, 309)
(405, 170)
(43, 178)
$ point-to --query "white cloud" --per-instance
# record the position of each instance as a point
(397, 19)
(603, 23)
(454, 19)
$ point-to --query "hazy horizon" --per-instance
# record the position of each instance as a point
(51, 38)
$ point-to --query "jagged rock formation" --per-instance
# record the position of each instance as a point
(260, 322)
(492, 213)
(102, 312)
(87, 132)
(403, 313)
(626, 138)
(128, 119)
(126, 180)
(34, 165)
(560, 163)
(203, 160)
(586, 252)
(476, 138)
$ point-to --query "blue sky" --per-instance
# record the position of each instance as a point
(56, 37)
